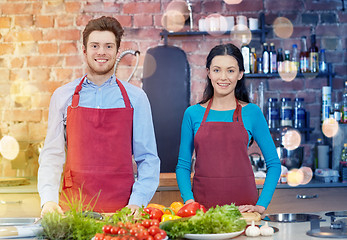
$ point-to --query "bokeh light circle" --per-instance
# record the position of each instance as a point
(283, 27)
(9, 147)
(241, 31)
(173, 21)
(291, 74)
(295, 177)
(307, 175)
(231, 2)
(291, 138)
(330, 127)
(151, 66)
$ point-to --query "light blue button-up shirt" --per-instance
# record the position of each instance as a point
(108, 95)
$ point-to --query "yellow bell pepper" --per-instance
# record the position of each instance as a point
(175, 206)
(169, 216)
(157, 206)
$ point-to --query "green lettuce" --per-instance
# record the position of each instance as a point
(220, 219)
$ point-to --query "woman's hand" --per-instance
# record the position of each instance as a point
(51, 207)
(189, 201)
(251, 208)
(134, 209)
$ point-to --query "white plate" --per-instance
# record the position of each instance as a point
(217, 236)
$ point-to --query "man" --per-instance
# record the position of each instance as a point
(100, 122)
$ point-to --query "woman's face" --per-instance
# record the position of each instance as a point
(224, 73)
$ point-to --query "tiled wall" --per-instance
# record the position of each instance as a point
(40, 50)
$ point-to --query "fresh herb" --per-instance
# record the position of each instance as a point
(224, 219)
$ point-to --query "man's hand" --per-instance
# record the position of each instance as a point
(134, 209)
(251, 208)
(51, 207)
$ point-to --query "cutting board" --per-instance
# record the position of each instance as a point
(10, 182)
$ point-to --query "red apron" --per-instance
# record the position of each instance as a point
(223, 172)
(99, 154)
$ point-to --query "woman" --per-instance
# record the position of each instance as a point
(220, 129)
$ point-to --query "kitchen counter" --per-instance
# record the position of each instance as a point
(287, 231)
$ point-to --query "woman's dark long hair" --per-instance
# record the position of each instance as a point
(241, 92)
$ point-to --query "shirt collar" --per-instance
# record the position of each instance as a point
(110, 81)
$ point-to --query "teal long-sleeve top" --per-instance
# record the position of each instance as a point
(256, 126)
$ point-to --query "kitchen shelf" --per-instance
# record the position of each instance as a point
(262, 31)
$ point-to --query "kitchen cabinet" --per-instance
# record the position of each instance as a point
(20, 205)
(326, 199)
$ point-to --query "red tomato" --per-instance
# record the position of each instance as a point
(122, 231)
(153, 230)
(146, 223)
(128, 225)
(158, 236)
(163, 233)
(114, 230)
(150, 237)
(99, 236)
(155, 222)
(107, 238)
(132, 238)
(133, 231)
(106, 228)
(120, 224)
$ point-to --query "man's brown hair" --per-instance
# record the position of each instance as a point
(103, 24)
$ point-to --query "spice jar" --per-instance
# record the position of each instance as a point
(273, 114)
(299, 113)
(286, 112)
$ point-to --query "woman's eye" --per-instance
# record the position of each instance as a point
(216, 70)
(231, 71)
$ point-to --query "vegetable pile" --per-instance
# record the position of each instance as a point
(221, 219)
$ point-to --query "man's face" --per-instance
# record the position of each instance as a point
(100, 52)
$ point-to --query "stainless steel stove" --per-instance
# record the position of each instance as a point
(337, 228)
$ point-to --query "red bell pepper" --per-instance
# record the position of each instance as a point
(190, 209)
(154, 213)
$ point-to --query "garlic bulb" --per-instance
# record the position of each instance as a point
(252, 231)
(265, 230)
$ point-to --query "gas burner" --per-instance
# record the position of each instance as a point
(337, 229)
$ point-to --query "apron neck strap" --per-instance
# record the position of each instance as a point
(236, 115)
(76, 95)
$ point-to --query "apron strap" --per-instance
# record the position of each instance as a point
(76, 96)
(207, 111)
(124, 94)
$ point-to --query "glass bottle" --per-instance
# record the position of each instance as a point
(273, 114)
(266, 58)
(313, 51)
(304, 56)
(295, 58)
(286, 61)
(337, 112)
(344, 105)
(344, 153)
(299, 113)
(253, 61)
(286, 113)
(322, 62)
(273, 59)
(246, 51)
(280, 61)
(260, 65)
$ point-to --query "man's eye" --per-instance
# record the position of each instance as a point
(94, 46)
(109, 46)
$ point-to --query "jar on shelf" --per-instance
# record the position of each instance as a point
(299, 113)
(286, 113)
(273, 113)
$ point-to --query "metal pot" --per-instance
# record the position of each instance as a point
(291, 158)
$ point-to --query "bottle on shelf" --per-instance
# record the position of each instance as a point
(273, 58)
(299, 113)
(280, 61)
(323, 68)
(253, 61)
(326, 102)
(246, 51)
(287, 61)
(344, 105)
(260, 65)
(266, 59)
(337, 112)
(344, 153)
(313, 51)
(273, 114)
(318, 143)
(286, 113)
(304, 56)
(295, 59)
